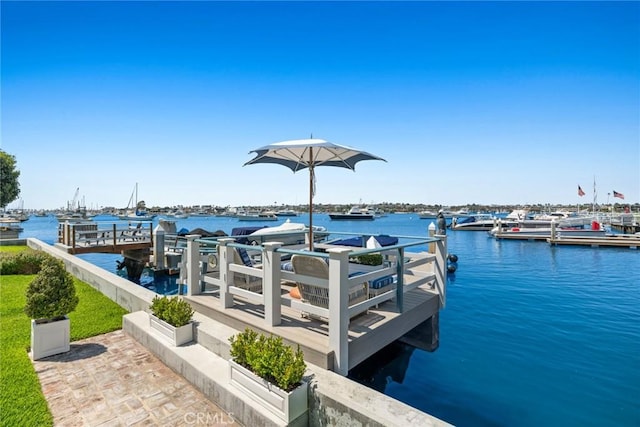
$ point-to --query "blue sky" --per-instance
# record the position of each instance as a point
(469, 102)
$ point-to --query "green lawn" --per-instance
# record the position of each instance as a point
(21, 400)
(11, 248)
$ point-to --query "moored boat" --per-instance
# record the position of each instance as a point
(286, 212)
(258, 216)
(448, 214)
(474, 222)
(288, 233)
(355, 213)
(136, 210)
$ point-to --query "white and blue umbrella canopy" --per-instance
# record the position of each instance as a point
(302, 154)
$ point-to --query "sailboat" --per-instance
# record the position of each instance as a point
(136, 210)
(76, 211)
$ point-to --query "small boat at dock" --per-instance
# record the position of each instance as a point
(288, 233)
(475, 222)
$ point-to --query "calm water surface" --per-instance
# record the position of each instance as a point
(532, 335)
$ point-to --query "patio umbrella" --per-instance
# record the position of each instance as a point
(307, 154)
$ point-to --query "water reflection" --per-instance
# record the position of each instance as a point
(387, 365)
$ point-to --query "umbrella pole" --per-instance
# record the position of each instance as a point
(311, 178)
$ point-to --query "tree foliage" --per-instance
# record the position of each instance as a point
(9, 185)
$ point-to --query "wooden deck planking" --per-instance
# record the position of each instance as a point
(620, 240)
(419, 305)
(105, 247)
(294, 329)
(521, 236)
(368, 332)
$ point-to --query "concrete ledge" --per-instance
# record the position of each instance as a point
(13, 242)
(333, 399)
(126, 294)
(212, 335)
(338, 401)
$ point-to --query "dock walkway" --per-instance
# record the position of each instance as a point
(631, 241)
(82, 238)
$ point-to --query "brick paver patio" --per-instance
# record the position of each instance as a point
(112, 380)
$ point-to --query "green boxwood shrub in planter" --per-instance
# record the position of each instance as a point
(172, 319)
(270, 373)
(50, 297)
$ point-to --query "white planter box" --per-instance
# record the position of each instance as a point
(176, 336)
(49, 338)
(285, 405)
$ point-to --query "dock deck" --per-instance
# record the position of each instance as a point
(367, 333)
(403, 294)
(90, 237)
(337, 331)
(631, 241)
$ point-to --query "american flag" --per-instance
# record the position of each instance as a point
(618, 195)
(580, 192)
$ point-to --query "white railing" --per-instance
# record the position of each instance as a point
(90, 234)
(417, 269)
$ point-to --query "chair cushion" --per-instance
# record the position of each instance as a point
(381, 282)
(246, 259)
(378, 283)
(295, 293)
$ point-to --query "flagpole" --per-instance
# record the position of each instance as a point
(595, 195)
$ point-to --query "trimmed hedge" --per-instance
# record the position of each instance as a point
(28, 261)
(269, 358)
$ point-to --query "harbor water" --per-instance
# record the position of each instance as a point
(531, 334)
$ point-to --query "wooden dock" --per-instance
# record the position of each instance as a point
(521, 236)
(631, 241)
(337, 336)
(83, 238)
(368, 332)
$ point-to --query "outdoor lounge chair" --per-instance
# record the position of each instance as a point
(319, 295)
(245, 281)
